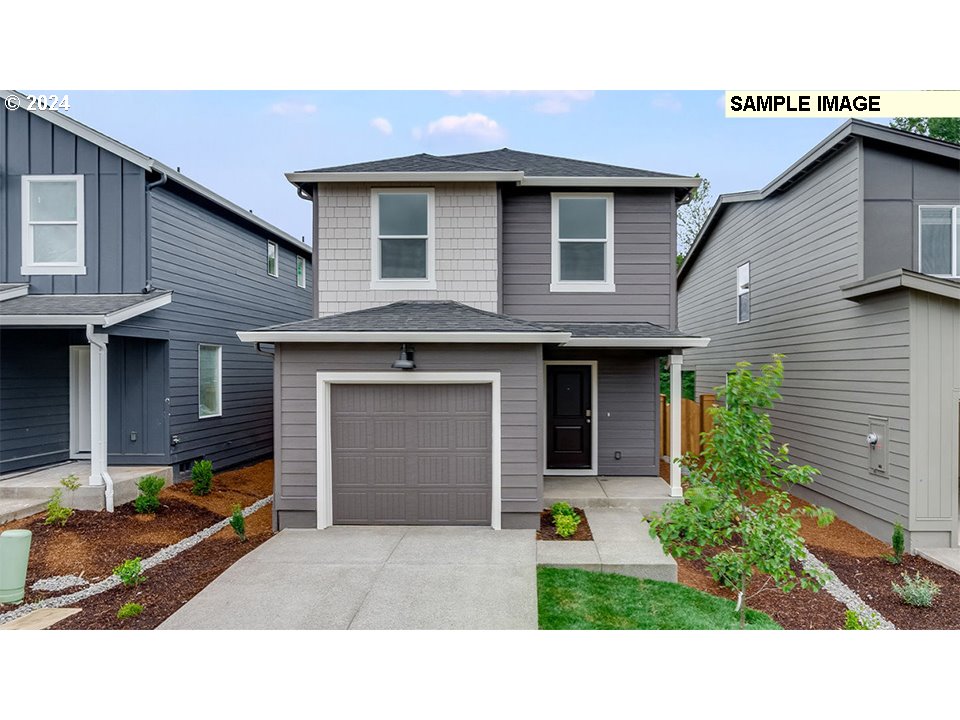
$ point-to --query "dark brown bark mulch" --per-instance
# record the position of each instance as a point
(548, 532)
(871, 578)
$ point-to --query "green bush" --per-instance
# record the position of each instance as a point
(149, 499)
(239, 523)
(202, 475)
(130, 572)
(918, 591)
(129, 610)
(561, 508)
(566, 524)
(853, 622)
(897, 543)
(57, 514)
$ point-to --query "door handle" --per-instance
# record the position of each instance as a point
(589, 412)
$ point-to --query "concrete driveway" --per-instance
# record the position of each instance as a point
(375, 578)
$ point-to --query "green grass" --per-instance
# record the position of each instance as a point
(581, 600)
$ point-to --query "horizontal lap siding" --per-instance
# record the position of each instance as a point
(845, 361)
(644, 260)
(218, 274)
(296, 447)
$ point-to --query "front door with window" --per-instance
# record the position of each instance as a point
(569, 411)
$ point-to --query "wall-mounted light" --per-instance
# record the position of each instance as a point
(405, 361)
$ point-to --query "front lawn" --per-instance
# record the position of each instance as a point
(582, 600)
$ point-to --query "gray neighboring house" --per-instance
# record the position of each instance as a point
(848, 263)
(122, 286)
(481, 320)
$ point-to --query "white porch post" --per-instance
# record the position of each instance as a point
(676, 403)
(98, 405)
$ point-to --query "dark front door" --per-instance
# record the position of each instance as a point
(569, 436)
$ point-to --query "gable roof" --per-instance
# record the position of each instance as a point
(155, 166)
(503, 165)
(821, 153)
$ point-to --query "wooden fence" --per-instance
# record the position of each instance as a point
(694, 419)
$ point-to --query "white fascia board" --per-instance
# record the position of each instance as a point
(14, 292)
(679, 342)
(14, 320)
(650, 182)
(401, 337)
(420, 177)
(118, 316)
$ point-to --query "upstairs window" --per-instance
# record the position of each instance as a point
(402, 251)
(743, 293)
(582, 242)
(939, 229)
(52, 225)
(272, 264)
(210, 380)
(301, 272)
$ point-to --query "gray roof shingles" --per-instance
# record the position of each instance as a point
(74, 304)
(621, 330)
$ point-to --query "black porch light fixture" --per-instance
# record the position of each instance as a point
(405, 361)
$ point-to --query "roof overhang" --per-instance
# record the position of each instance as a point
(639, 182)
(14, 291)
(102, 319)
(298, 178)
(900, 280)
(268, 336)
(652, 343)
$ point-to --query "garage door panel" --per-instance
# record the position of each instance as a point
(428, 464)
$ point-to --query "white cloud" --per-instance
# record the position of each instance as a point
(472, 124)
(383, 125)
(548, 102)
(667, 101)
(290, 107)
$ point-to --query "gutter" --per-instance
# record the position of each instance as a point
(147, 238)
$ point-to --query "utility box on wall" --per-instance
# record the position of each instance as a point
(878, 428)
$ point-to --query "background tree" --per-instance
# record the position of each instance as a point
(943, 128)
(737, 514)
(690, 218)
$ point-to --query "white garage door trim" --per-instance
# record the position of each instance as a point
(324, 453)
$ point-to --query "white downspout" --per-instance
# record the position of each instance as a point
(98, 412)
(676, 405)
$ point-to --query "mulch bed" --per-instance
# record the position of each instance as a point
(548, 532)
(93, 543)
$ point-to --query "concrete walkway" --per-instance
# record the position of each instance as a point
(375, 578)
(945, 557)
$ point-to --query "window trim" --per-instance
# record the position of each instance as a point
(954, 235)
(607, 285)
(276, 259)
(219, 349)
(379, 283)
(28, 266)
(743, 290)
(301, 272)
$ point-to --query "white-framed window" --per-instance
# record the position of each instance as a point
(402, 239)
(273, 263)
(939, 237)
(301, 272)
(743, 293)
(52, 225)
(582, 242)
(210, 380)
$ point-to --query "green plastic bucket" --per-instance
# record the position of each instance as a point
(14, 554)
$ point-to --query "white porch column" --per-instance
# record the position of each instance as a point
(676, 404)
(98, 405)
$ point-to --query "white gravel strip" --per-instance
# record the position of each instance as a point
(844, 594)
(163, 555)
(59, 582)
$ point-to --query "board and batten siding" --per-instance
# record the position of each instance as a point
(217, 271)
(935, 419)
(845, 361)
(114, 206)
(644, 260)
(295, 444)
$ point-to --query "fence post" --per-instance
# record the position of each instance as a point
(707, 401)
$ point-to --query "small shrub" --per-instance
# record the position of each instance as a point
(853, 622)
(897, 543)
(129, 610)
(70, 482)
(566, 524)
(57, 514)
(918, 591)
(130, 572)
(561, 508)
(202, 475)
(239, 523)
(149, 499)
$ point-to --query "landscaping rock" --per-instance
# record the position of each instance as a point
(60, 582)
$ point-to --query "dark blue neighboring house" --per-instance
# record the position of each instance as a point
(123, 284)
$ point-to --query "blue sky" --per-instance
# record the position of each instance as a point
(239, 144)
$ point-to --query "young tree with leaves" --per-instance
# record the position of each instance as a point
(938, 128)
(737, 514)
(691, 217)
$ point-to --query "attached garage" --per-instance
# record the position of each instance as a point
(411, 454)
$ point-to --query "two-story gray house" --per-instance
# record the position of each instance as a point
(480, 321)
(848, 263)
(122, 286)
